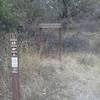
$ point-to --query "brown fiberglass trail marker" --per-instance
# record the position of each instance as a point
(15, 68)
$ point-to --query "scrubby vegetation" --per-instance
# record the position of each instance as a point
(76, 77)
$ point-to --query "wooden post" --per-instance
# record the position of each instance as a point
(51, 26)
(40, 43)
(15, 68)
(60, 44)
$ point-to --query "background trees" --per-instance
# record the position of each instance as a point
(22, 12)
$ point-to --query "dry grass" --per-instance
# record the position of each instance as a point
(75, 78)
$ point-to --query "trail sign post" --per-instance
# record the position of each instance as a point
(15, 68)
(57, 26)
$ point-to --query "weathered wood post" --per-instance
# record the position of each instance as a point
(57, 26)
(60, 44)
(40, 42)
(15, 68)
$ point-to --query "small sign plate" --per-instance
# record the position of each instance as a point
(14, 62)
(15, 70)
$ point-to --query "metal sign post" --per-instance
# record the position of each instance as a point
(15, 68)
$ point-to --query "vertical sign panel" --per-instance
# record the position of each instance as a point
(14, 66)
(14, 62)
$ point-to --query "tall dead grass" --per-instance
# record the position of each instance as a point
(75, 78)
